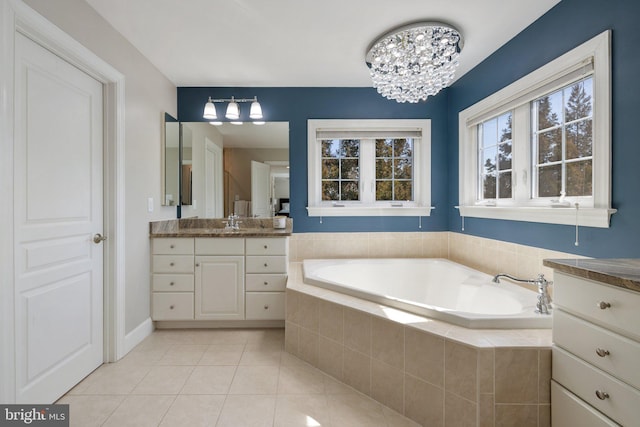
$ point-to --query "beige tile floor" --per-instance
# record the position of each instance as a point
(234, 378)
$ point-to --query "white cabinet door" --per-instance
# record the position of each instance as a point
(219, 288)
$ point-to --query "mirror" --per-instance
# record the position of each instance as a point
(241, 169)
(170, 160)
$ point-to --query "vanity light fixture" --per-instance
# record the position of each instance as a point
(233, 110)
(414, 61)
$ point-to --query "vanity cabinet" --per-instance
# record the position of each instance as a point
(596, 334)
(172, 282)
(219, 278)
(267, 263)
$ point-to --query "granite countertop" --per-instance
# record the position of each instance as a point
(623, 273)
(215, 227)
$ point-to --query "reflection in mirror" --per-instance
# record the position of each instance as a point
(170, 161)
(186, 157)
(241, 169)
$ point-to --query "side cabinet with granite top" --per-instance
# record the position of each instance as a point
(219, 278)
(596, 348)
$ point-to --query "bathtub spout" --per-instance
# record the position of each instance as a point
(544, 300)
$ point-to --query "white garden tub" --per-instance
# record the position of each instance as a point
(436, 288)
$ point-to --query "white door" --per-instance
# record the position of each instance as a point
(213, 179)
(57, 211)
(260, 189)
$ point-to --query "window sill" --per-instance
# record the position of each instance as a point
(369, 211)
(586, 217)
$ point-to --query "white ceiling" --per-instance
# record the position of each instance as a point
(314, 43)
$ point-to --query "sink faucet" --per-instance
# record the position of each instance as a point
(544, 300)
(232, 223)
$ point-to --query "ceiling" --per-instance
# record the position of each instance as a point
(298, 43)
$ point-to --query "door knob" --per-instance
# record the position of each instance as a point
(97, 238)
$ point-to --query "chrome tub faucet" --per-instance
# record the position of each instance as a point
(544, 300)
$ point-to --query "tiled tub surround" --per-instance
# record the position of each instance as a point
(433, 372)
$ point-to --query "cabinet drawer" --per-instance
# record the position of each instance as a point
(266, 282)
(173, 264)
(266, 264)
(173, 282)
(267, 246)
(622, 403)
(169, 246)
(219, 246)
(265, 305)
(583, 297)
(569, 410)
(619, 355)
(172, 305)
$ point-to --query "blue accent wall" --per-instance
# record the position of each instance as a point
(297, 105)
(564, 27)
(567, 25)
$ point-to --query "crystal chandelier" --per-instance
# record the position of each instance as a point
(415, 61)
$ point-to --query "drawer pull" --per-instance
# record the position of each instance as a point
(266, 307)
(265, 264)
(266, 283)
(602, 352)
(172, 246)
(171, 307)
(602, 395)
(604, 305)
(172, 283)
(265, 246)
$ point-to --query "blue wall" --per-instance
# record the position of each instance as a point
(297, 105)
(564, 27)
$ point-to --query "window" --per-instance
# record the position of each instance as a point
(562, 141)
(340, 169)
(542, 143)
(369, 167)
(494, 153)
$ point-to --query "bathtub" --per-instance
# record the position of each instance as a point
(435, 288)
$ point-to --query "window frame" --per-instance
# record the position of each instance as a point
(420, 206)
(591, 57)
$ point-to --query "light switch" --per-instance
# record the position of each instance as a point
(150, 204)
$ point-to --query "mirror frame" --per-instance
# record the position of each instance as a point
(166, 118)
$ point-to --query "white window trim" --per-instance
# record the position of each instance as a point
(422, 171)
(598, 212)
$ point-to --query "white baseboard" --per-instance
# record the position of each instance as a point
(136, 336)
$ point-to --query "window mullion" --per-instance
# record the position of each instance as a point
(367, 171)
(522, 155)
